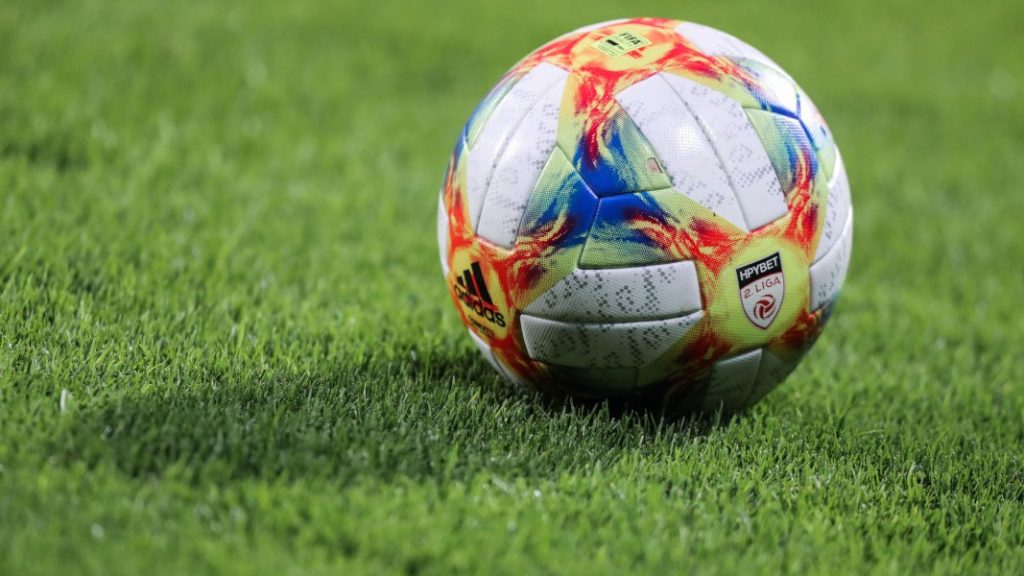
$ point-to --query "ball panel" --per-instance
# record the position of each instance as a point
(717, 43)
(770, 373)
(518, 168)
(837, 210)
(622, 294)
(785, 142)
(495, 362)
(680, 142)
(652, 228)
(821, 136)
(486, 107)
(625, 345)
(554, 227)
(561, 197)
(625, 162)
(614, 241)
(770, 86)
(731, 381)
(828, 274)
(499, 127)
(738, 148)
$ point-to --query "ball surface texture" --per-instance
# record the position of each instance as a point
(647, 210)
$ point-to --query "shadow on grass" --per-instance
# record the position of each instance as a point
(449, 418)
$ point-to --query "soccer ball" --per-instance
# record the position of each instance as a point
(646, 210)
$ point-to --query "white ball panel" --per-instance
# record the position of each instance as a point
(717, 43)
(625, 345)
(622, 294)
(682, 146)
(739, 148)
(828, 274)
(499, 128)
(442, 235)
(518, 168)
(731, 381)
(836, 212)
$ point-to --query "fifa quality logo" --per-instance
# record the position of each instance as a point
(762, 286)
(471, 289)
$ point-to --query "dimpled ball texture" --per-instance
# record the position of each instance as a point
(649, 211)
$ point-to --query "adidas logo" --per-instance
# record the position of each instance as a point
(472, 291)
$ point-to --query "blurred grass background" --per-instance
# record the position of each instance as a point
(225, 345)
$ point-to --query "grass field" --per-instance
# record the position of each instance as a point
(225, 345)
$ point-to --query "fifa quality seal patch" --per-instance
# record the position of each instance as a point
(621, 43)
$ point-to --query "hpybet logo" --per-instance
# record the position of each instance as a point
(472, 291)
(762, 286)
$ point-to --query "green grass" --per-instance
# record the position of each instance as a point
(225, 345)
